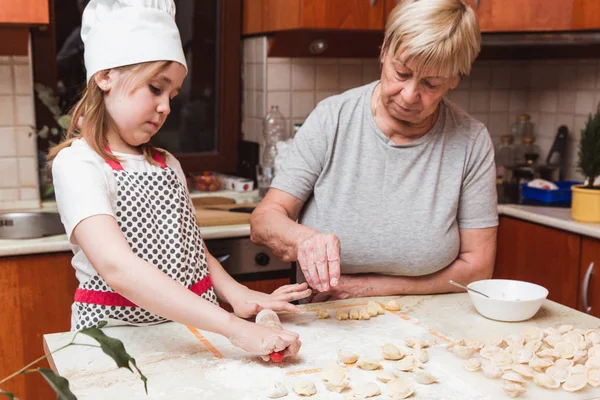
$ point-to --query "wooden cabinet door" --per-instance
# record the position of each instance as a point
(590, 275)
(36, 293)
(523, 15)
(538, 254)
(343, 14)
(24, 12)
(261, 16)
(586, 14)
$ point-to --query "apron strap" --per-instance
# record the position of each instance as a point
(115, 299)
(116, 166)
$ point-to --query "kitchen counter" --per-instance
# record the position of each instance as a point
(60, 243)
(559, 218)
(554, 217)
(185, 363)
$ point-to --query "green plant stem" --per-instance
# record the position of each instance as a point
(32, 363)
(25, 370)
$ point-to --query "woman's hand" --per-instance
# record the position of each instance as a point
(349, 286)
(252, 302)
(263, 340)
(319, 259)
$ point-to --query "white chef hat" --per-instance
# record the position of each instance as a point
(116, 33)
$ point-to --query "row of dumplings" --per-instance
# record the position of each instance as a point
(336, 378)
(551, 358)
(372, 309)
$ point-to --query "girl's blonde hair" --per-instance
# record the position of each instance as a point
(97, 122)
(439, 36)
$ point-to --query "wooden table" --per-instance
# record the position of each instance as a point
(185, 363)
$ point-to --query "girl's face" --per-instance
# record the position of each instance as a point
(139, 112)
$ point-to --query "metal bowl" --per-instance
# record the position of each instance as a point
(30, 225)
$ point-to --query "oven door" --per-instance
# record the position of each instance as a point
(246, 261)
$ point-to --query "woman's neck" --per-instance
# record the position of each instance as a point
(398, 131)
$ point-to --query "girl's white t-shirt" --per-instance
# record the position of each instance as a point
(85, 185)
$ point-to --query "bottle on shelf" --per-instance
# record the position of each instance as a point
(506, 156)
(274, 132)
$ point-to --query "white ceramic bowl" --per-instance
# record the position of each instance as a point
(509, 301)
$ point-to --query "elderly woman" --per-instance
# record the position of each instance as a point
(392, 185)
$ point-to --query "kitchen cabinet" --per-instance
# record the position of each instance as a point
(590, 276)
(36, 293)
(262, 16)
(24, 12)
(523, 15)
(586, 14)
(531, 15)
(542, 255)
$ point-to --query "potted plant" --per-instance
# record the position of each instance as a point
(586, 198)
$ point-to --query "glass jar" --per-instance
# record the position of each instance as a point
(506, 155)
(528, 152)
(523, 127)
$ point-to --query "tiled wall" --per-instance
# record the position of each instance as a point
(18, 162)
(552, 92)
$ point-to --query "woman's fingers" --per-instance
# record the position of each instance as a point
(320, 258)
(333, 259)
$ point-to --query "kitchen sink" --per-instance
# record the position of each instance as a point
(30, 225)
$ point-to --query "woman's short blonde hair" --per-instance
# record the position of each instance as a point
(438, 36)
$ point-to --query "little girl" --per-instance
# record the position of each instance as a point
(138, 252)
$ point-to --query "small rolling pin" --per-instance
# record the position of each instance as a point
(271, 319)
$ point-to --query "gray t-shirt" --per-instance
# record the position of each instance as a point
(396, 209)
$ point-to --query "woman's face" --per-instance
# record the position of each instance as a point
(409, 95)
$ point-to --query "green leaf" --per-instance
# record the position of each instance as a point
(59, 384)
(9, 395)
(115, 349)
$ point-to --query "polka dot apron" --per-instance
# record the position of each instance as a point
(155, 216)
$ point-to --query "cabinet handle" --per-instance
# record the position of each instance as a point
(476, 4)
(373, 2)
(586, 286)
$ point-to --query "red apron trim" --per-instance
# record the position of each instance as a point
(157, 157)
(115, 299)
(116, 166)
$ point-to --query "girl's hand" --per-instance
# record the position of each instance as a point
(251, 302)
(263, 340)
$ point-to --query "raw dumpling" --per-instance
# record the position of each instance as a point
(277, 390)
(369, 365)
(374, 307)
(392, 305)
(416, 343)
(322, 313)
(545, 381)
(392, 352)
(341, 315)
(353, 314)
(368, 389)
(575, 383)
(347, 358)
(400, 388)
(421, 355)
(408, 364)
(336, 379)
(364, 314)
(305, 388)
(424, 377)
(513, 389)
(385, 376)
(473, 364)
